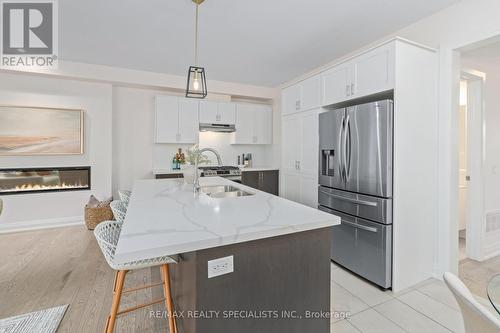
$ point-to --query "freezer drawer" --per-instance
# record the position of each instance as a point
(363, 247)
(364, 206)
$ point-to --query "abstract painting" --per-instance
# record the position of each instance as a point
(40, 131)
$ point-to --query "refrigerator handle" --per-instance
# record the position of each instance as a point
(341, 150)
(344, 147)
(348, 148)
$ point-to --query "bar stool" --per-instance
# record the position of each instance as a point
(119, 210)
(107, 234)
(125, 196)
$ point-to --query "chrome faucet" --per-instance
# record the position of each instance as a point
(196, 185)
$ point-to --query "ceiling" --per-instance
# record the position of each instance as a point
(260, 42)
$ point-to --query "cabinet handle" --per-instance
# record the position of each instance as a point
(298, 162)
(352, 88)
(297, 105)
(178, 137)
(347, 89)
(254, 139)
(217, 117)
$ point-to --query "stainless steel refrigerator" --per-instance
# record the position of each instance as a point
(355, 183)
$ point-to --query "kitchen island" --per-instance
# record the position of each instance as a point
(278, 276)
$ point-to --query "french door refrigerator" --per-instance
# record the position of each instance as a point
(355, 183)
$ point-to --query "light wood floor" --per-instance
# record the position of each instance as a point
(41, 269)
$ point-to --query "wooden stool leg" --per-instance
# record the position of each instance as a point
(117, 294)
(168, 298)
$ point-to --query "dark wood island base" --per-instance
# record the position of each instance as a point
(279, 284)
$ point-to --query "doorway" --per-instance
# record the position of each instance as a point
(478, 144)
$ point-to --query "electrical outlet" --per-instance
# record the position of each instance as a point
(220, 266)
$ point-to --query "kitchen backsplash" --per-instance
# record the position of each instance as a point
(262, 155)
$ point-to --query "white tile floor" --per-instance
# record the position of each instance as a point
(426, 308)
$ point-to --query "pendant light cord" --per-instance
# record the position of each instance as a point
(196, 38)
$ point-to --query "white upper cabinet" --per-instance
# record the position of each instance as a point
(217, 112)
(227, 113)
(291, 100)
(302, 96)
(336, 84)
(176, 120)
(371, 72)
(254, 123)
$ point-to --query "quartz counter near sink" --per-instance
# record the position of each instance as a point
(279, 251)
(164, 217)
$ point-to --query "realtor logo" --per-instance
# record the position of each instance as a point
(29, 33)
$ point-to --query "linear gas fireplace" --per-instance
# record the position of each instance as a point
(29, 180)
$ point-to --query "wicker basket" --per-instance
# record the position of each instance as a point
(95, 215)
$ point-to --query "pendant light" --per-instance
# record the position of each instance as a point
(196, 81)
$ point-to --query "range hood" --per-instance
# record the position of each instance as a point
(221, 128)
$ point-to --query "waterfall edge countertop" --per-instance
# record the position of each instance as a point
(165, 217)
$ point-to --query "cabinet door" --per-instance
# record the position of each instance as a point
(269, 181)
(336, 84)
(263, 125)
(291, 99)
(251, 178)
(244, 124)
(167, 119)
(209, 112)
(309, 143)
(227, 113)
(373, 72)
(189, 126)
(309, 191)
(290, 186)
(290, 132)
(311, 93)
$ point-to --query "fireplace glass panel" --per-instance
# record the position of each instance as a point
(15, 181)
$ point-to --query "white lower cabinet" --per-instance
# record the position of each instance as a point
(299, 181)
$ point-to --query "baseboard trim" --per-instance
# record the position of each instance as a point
(11, 227)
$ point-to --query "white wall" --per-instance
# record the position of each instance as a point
(466, 22)
(119, 122)
(135, 154)
(62, 207)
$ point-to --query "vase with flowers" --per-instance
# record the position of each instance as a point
(193, 154)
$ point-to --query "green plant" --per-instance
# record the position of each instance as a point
(193, 153)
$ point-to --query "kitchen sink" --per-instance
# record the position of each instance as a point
(224, 191)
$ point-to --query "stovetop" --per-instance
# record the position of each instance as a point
(208, 171)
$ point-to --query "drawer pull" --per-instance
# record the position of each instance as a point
(358, 226)
(356, 201)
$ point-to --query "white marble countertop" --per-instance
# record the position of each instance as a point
(165, 171)
(165, 217)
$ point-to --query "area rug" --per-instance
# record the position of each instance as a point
(43, 321)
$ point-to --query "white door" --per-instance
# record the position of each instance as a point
(291, 99)
(290, 186)
(336, 84)
(167, 119)
(263, 125)
(290, 154)
(373, 72)
(188, 121)
(209, 112)
(227, 113)
(311, 93)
